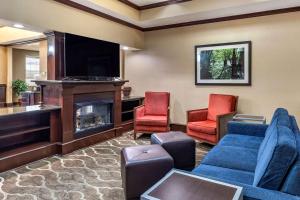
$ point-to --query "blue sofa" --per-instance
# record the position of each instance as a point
(263, 159)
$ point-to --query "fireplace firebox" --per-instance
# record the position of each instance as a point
(93, 116)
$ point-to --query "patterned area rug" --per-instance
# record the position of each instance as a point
(88, 174)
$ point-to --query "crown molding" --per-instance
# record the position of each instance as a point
(154, 5)
(189, 23)
(98, 13)
(227, 18)
(24, 42)
(132, 5)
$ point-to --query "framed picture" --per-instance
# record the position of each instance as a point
(223, 64)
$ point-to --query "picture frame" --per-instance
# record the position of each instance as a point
(223, 64)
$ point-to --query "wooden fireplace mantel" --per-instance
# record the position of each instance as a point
(63, 93)
(70, 82)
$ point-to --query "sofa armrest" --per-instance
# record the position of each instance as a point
(256, 193)
(197, 115)
(222, 121)
(139, 111)
(242, 128)
(252, 193)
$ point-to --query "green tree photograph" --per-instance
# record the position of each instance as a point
(225, 64)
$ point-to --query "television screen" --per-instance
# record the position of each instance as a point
(86, 57)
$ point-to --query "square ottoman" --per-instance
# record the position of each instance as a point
(180, 146)
(141, 167)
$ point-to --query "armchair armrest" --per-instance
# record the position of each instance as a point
(197, 115)
(139, 111)
(242, 128)
(222, 121)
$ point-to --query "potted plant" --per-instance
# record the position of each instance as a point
(19, 86)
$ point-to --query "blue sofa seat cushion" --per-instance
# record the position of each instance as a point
(292, 182)
(245, 141)
(238, 158)
(225, 173)
(275, 157)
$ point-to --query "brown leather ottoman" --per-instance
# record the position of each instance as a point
(180, 146)
(141, 167)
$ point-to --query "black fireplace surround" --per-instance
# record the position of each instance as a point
(93, 114)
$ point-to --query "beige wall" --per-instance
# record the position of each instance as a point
(51, 15)
(3, 65)
(168, 64)
(19, 64)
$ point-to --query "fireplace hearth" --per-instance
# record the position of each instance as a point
(93, 116)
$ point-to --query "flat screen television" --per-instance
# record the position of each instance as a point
(87, 57)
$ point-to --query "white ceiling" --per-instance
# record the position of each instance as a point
(145, 2)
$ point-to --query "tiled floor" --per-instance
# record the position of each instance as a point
(89, 174)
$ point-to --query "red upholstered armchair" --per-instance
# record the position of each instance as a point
(153, 116)
(210, 124)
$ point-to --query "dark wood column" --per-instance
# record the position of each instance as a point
(56, 55)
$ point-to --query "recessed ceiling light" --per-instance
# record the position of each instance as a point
(125, 48)
(18, 26)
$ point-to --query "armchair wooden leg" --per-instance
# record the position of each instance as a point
(134, 135)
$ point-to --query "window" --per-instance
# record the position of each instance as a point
(32, 69)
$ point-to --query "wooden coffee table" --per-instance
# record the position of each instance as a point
(179, 185)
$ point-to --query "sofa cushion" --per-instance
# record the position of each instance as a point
(220, 104)
(157, 103)
(279, 111)
(245, 141)
(283, 119)
(224, 173)
(292, 182)
(294, 124)
(152, 120)
(238, 158)
(275, 157)
(207, 126)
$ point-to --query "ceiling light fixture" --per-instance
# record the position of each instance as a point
(125, 48)
(18, 26)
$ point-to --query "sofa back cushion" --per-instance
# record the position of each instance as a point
(220, 104)
(294, 124)
(275, 157)
(281, 117)
(292, 182)
(279, 111)
(157, 103)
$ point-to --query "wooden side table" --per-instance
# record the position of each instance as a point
(177, 185)
(250, 118)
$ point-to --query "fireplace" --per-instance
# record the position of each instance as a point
(93, 115)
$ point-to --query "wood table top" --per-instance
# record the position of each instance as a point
(178, 185)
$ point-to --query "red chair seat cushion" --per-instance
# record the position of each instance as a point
(208, 126)
(152, 120)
